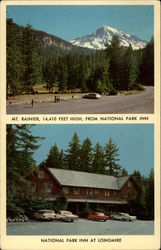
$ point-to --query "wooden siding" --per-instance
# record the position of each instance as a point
(41, 182)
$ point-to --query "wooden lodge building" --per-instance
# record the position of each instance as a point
(99, 190)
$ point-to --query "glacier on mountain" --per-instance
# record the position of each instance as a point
(103, 36)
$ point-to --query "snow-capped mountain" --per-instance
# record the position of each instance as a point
(102, 36)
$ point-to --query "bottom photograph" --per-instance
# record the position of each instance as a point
(80, 179)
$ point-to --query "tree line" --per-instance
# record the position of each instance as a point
(106, 71)
(143, 204)
(21, 145)
(83, 157)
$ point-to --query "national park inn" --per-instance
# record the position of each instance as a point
(100, 191)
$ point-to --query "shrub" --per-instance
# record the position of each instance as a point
(61, 202)
(139, 87)
(86, 210)
(113, 91)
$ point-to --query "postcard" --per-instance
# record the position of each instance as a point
(80, 125)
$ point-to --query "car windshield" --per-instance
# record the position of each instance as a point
(46, 211)
(66, 212)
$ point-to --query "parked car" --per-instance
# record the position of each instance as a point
(66, 216)
(45, 215)
(122, 217)
(92, 96)
(97, 216)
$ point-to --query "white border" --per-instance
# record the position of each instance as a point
(34, 242)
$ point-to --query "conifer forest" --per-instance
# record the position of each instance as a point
(116, 68)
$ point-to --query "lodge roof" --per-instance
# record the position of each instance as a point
(84, 179)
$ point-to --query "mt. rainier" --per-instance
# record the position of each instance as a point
(102, 36)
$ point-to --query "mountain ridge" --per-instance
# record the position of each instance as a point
(50, 41)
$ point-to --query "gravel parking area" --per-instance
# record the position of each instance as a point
(130, 104)
(81, 227)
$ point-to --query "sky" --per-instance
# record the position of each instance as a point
(135, 141)
(69, 22)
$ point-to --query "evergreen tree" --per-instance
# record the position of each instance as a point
(14, 59)
(73, 154)
(143, 204)
(99, 80)
(62, 76)
(83, 74)
(114, 53)
(125, 69)
(137, 177)
(111, 154)
(61, 202)
(150, 194)
(71, 79)
(21, 145)
(147, 64)
(49, 74)
(31, 59)
(55, 158)
(124, 172)
(99, 163)
(62, 159)
(133, 74)
(86, 156)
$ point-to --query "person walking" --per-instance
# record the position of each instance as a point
(32, 103)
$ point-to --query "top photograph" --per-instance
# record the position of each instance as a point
(80, 59)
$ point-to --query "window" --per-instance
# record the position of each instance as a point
(41, 174)
(48, 187)
(114, 193)
(89, 191)
(125, 195)
(76, 190)
(129, 184)
(107, 193)
(66, 190)
(96, 191)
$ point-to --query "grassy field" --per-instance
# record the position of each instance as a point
(40, 88)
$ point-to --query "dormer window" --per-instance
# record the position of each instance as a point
(129, 184)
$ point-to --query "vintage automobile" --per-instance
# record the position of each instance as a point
(45, 214)
(66, 216)
(122, 217)
(98, 216)
(92, 96)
